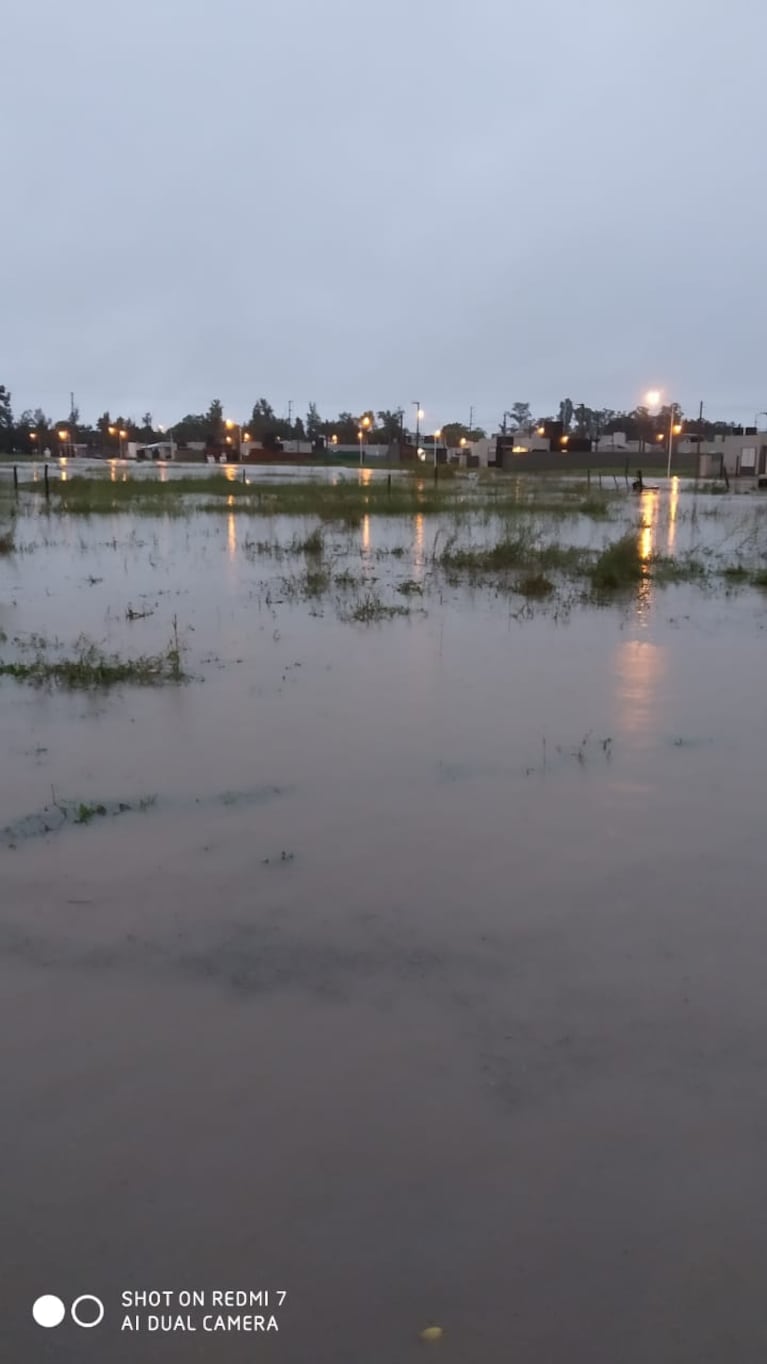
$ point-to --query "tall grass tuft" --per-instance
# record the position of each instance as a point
(619, 566)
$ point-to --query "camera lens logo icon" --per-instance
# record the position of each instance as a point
(86, 1311)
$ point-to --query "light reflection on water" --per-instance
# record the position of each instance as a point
(639, 668)
(673, 504)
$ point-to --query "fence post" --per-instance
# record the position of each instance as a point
(626, 471)
(15, 478)
(388, 482)
(47, 487)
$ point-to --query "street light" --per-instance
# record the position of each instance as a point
(122, 435)
(674, 429)
(653, 399)
(168, 431)
(437, 435)
(365, 424)
(232, 426)
(419, 414)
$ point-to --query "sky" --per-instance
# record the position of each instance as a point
(364, 203)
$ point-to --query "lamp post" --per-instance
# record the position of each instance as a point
(364, 428)
(437, 435)
(418, 420)
(63, 436)
(167, 431)
(232, 426)
(674, 429)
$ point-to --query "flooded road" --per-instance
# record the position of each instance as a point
(421, 977)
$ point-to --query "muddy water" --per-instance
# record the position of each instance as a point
(430, 988)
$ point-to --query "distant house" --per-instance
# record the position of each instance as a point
(745, 455)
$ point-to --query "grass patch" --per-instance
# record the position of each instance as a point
(371, 609)
(91, 668)
(619, 566)
(313, 582)
(535, 585)
(313, 546)
(683, 570)
(7, 543)
(511, 552)
(85, 813)
(760, 579)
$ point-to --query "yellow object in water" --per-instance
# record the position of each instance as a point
(432, 1333)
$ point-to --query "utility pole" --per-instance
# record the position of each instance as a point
(471, 420)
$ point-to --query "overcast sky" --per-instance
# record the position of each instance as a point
(367, 202)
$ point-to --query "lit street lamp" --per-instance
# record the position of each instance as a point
(365, 425)
(232, 426)
(653, 399)
(437, 435)
(418, 419)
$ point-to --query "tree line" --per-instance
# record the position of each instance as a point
(637, 424)
(33, 430)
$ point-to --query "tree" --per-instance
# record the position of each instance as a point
(314, 426)
(454, 432)
(346, 427)
(389, 428)
(566, 413)
(192, 427)
(6, 420)
(215, 420)
(147, 427)
(522, 416)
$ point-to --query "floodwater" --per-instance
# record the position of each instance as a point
(428, 989)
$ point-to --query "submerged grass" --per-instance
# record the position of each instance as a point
(535, 585)
(346, 500)
(370, 609)
(89, 668)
